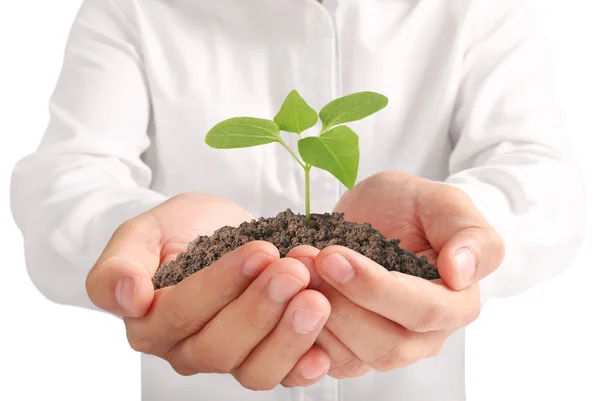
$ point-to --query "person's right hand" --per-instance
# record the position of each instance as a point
(249, 314)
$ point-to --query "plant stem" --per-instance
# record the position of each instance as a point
(307, 191)
(306, 168)
(291, 152)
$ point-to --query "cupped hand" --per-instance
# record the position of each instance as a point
(430, 218)
(387, 320)
(121, 280)
(249, 314)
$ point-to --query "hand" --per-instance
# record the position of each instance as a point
(432, 219)
(387, 320)
(249, 314)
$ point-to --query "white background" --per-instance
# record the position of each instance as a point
(542, 345)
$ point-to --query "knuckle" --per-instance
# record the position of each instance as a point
(227, 292)
(182, 370)
(436, 349)
(370, 294)
(452, 192)
(188, 194)
(253, 383)
(135, 340)
(347, 368)
(127, 226)
(138, 344)
(259, 386)
(433, 315)
(471, 315)
(261, 323)
(448, 194)
(338, 317)
(256, 318)
(182, 324)
(393, 357)
(383, 176)
(289, 384)
(91, 288)
(179, 319)
(211, 360)
(499, 245)
(217, 365)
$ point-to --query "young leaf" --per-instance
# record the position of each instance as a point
(242, 132)
(295, 114)
(352, 108)
(335, 151)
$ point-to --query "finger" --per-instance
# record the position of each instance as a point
(344, 363)
(232, 334)
(273, 359)
(375, 340)
(417, 304)
(120, 281)
(469, 248)
(309, 369)
(307, 254)
(469, 256)
(182, 310)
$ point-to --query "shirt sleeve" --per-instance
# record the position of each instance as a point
(87, 176)
(511, 154)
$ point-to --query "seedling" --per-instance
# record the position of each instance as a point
(335, 149)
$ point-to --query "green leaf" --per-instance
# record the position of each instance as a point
(335, 151)
(295, 114)
(242, 132)
(352, 108)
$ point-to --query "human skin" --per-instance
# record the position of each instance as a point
(383, 320)
(249, 314)
(348, 319)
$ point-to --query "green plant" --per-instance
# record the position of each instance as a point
(335, 149)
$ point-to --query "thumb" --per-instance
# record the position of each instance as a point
(121, 280)
(469, 256)
(468, 247)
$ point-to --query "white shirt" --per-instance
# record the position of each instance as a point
(471, 103)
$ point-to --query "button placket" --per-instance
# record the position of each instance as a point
(330, 185)
(325, 188)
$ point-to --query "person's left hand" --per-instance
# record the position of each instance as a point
(385, 320)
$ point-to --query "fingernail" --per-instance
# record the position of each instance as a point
(466, 265)
(255, 264)
(315, 279)
(283, 287)
(125, 292)
(310, 374)
(305, 321)
(337, 268)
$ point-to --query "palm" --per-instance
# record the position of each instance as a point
(389, 201)
(183, 218)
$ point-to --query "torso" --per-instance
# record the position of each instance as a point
(210, 60)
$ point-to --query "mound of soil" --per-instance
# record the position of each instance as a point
(288, 230)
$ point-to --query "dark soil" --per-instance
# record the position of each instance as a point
(288, 230)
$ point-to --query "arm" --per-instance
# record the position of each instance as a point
(511, 153)
(86, 177)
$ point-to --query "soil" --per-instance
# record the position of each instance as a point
(288, 230)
